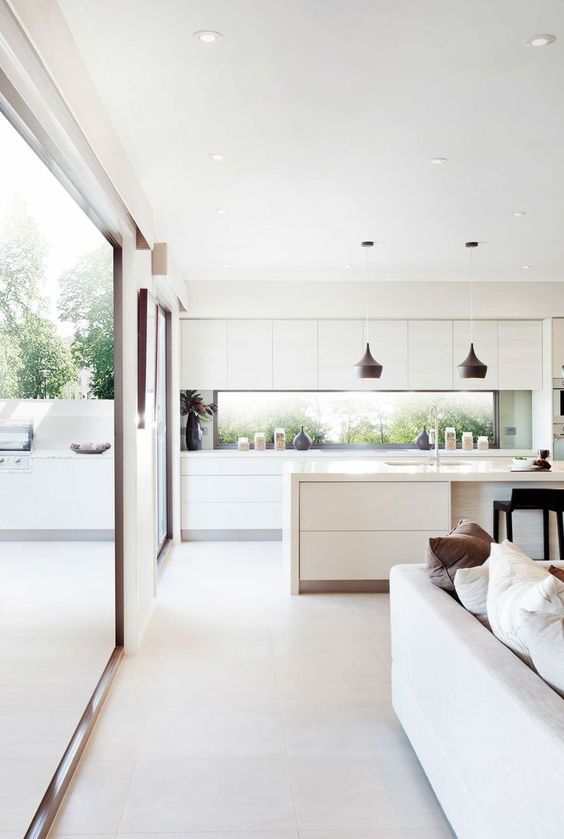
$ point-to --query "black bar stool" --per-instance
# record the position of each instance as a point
(547, 500)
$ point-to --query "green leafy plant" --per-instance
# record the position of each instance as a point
(191, 402)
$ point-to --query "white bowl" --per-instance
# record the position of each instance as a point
(523, 462)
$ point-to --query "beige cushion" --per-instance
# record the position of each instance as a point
(466, 546)
(471, 586)
(542, 633)
(517, 582)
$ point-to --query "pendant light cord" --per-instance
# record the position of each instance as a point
(366, 301)
(471, 300)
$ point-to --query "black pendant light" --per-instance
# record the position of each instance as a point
(472, 367)
(368, 367)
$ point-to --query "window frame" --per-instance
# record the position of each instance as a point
(357, 446)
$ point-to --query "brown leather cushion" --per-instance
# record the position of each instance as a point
(557, 572)
(466, 546)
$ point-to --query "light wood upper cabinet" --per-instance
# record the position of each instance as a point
(557, 347)
(520, 354)
(204, 354)
(340, 347)
(294, 349)
(388, 345)
(430, 355)
(249, 354)
(485, 346)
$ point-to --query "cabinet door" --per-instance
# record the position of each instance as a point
(249, 356)
(520, 354)
(557, 347)
(294, 349)
(340, 348)
(430, 354)
(485, 345)
(204, 354)
(388, 345)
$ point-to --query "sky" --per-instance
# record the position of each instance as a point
(67, 230)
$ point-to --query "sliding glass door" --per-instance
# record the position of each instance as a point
(161, 469)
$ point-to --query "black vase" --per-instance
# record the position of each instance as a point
(193, 434)
(302, 441)
(423, 440)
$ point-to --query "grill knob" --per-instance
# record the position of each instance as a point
(2, 459)
(17, 460)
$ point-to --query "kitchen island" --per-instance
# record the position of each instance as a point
(346, 523)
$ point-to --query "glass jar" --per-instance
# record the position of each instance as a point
(279, 440)
(483, 443)
(450, 439)
(260, 441)
(467, 441)
(243, 444)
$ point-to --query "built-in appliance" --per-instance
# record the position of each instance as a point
(558, 418)
(16, 443)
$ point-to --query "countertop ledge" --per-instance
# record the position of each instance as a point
(482, 471)
(68, 454)
(351, 454)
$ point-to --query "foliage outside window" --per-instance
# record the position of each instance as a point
(56, 286)
(353, 418)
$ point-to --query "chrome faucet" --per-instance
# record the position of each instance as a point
(434, 414)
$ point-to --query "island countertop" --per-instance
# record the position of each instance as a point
(498, 471)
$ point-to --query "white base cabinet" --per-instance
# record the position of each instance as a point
(355, 531)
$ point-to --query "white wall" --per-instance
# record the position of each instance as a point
(385, 300)
(44, 67)
(59, 422)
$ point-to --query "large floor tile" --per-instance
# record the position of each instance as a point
(94, 801)
(207, 795)
(213, 731)
(22, 785)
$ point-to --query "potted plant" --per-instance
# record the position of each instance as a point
(196, 411)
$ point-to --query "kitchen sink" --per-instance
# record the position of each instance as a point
(420, 463)
(425, 464)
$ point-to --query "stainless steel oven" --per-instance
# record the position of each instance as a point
(16, 444)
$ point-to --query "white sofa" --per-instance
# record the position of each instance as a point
(488, 731)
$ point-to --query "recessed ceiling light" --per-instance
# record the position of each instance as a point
(221, 211)
(438, 161)
(519, 213)
(525, 267)
(207, 36)
(348, 267)
(540, 41)
(227, 265)
(217, 155)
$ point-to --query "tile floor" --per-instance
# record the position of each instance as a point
(251, 714)
(56, 635)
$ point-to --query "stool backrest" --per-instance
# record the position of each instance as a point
(551, 499)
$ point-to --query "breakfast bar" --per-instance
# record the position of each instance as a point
(346, 523)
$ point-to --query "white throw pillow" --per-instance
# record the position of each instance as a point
(543, 635)
(471, 586)
(517, 582)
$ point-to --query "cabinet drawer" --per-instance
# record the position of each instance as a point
(206, 516)
(360, 556)
(245, 464)
(232, 488)
(374, 505)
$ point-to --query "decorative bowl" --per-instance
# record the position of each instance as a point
(522, 462)
(90, 448)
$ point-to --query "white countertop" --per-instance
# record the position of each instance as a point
(366, 470)
(358, 454)
(59, 454)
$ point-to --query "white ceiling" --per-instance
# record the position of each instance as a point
(328, 112)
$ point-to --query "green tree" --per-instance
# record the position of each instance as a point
(86, 300)
(10, 365)
(22, 265)
(46, 363)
